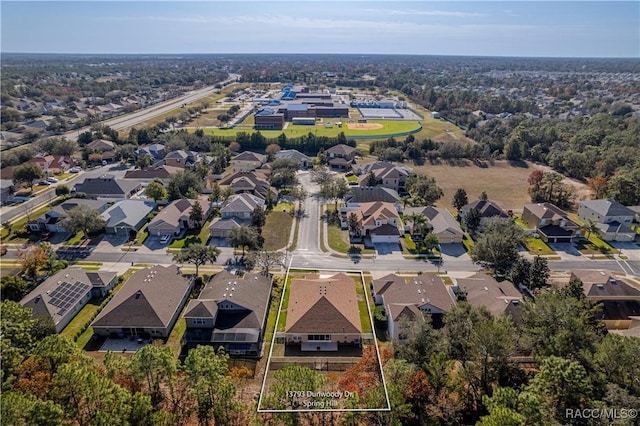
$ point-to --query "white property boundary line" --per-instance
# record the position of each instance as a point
(273, 339)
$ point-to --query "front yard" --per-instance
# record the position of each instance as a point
(276, 229)
(536, 246)
(192, 236)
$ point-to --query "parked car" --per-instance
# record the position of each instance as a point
(52, 179)
(44, 182)
(74, 170)
(104, 162)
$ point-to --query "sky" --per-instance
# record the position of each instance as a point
(475, 28)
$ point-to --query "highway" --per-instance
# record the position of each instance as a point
(135, 118)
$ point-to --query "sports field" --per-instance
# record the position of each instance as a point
(371, 129)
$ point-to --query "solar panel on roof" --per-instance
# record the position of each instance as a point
(67, 294)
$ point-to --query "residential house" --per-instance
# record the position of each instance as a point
(235, 212)
(499, 298)
(550, 222)
(173, 219)
(52, 164)
(51, 221)
(378, 220)
(156, 151)
(304, 162)
(612, 218)
(409, 299)
(127, 216)
(250, 183)
(7, 188)
(441, 223)
(230, 312)
(359, 195)
(160, 173)
(147, 305)
(486, 208)
(248, 161)
(104, 147)
(323, 313)
(341, 156)
(61, 296)
(636, 210)
(388, 175)
(181, 158)
(618, 299)
(107, 186)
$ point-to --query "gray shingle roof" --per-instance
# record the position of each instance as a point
(608, 207)
(127, 212)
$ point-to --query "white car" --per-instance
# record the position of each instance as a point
(74, 170)
(44, 183)
(52, 180)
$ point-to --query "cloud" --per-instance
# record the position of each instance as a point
(413, 12)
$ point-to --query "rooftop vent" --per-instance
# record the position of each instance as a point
(601, 286)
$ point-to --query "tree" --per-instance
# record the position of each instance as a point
(197, 254)
(424, 189)
(209, 381)
(12, 287)
(497, 247)
(291, 377)
(590, 227)
(125, 152)
(33, 258)
(62, 189)
(561, 384)
(370, 180)
(560, 325)
(598, 185)
(539, 275)
(354, 225)
(298, 194)
(216, 192)
(196, 215)
(266, 260)
(154, 368)
(82, 218)
(460, 199)
(144, 161)
(484, 196)
(22, 408)
(321, 175)
(183, 183)
(430, 241)
(156, 191)
(258, 218)
(243, 236)
(472, 220)
(272, 149)
(27, 173)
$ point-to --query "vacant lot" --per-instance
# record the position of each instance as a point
(505, 184)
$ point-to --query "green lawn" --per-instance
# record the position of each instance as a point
(192, 237)
(75, 239)
(365, 321)
(141, 236)
(389, 127)
(537, 246)
(338, 239)
(282, 321)
(276, 229)
(352, 178)
(273, 310)
(14, 233)
(467, 242)
(174, 342)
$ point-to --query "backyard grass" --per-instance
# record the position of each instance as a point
(174, 342)
(273, 308)
(338, 239)
(282, 320)
(537, 246)
(276, 230)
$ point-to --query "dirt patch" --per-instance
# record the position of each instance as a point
(364, 126)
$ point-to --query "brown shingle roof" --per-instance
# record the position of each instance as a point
(150, 298)
(323, 305)
(418, 291)
(484, 290)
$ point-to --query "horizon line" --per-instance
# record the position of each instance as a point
(316, 54)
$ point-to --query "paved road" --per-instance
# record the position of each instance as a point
(309, 231)
(10, 212)
(130, 120)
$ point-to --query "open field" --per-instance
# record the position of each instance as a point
(505, 184)
(376, 127)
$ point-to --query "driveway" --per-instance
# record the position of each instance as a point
(153, 243)
(383, 249)
(114, 240)
(452, 250)
(565, 250)
(218, 242)
(629, 249)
